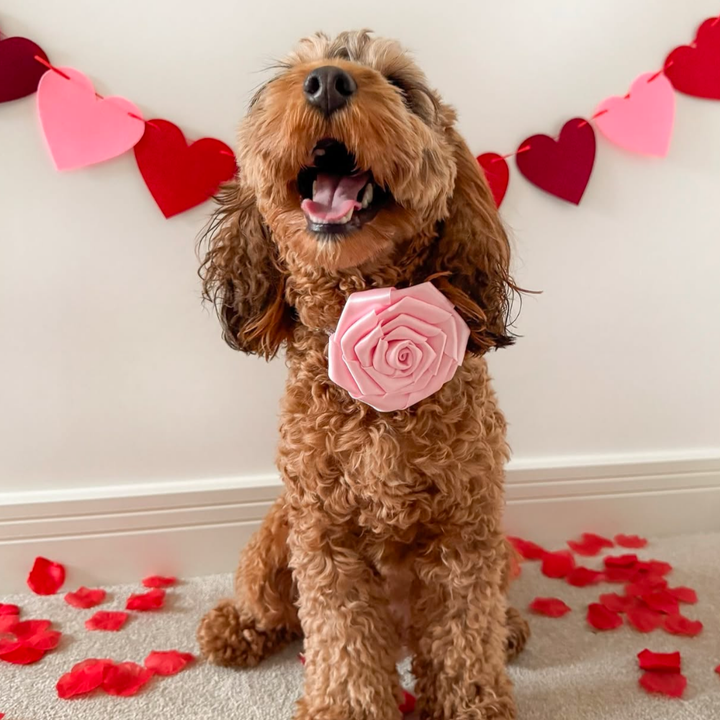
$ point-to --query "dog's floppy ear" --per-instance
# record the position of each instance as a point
(471, 259)
(243, 276)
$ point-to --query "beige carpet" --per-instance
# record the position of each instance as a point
(567, 672)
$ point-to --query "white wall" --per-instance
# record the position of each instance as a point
(110, 370)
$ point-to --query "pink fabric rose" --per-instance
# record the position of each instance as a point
(392, 348)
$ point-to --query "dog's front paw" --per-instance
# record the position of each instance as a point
(229, 638)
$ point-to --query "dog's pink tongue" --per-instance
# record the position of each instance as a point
(334, 196)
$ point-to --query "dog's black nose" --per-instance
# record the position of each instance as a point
(329, 88)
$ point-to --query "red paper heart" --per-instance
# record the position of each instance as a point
(696, 70)
(181, 176)
(497, 174)
(20, 73)
(561, 167)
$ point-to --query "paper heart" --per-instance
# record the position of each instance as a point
(180, 176)
(20, 72)
(561, 167)
(642, 121)
(497, 174)
(696, 70)
(80, 128)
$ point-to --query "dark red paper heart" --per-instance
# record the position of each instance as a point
(561, 167)
(20, 73)
(181, 176)
(696, 70)
(497, 174)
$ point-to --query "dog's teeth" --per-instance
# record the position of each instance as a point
(314, 188)
(319, 151)
(367, 195)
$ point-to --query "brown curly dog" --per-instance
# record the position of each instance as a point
(389, 531)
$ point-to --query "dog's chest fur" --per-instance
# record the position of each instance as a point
(389, 477)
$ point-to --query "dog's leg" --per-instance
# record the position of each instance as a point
(350, 640)
(459, 630)
(518, 630)
(262, 618)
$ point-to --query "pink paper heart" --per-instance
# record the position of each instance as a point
(641, 122)
(80, 128)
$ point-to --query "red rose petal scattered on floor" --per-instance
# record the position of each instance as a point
(717, 669)
(680, 625)
(662, 602)
(617, 603)
(646, 585)
(664, 683)
(407, 705)
(125, 679)
(668, 662)
(590, 544)
(8, 622)
(582, 577)
(151, 600)
(158, 581)
(643, 619)
(85, 598)
(35, 634)
(633, 542)
(684, 595)
(529, 550)
(111, 620)
(621, 561)
(654, 567)
(83, 678)
(620, 574)
(168, 662)
(599, 617)
(8, 643)
(9, 609)
(550, 607)
(557, 564)
(23, 655)
(46, 577)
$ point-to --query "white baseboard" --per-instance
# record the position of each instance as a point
(119, 534)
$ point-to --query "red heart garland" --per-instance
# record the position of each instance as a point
(497, 174)
(696, 70)
(20, 73)
(181, 176)
(561, 167)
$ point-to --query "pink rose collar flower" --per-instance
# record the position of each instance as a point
(393, 348)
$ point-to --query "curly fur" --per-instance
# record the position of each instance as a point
(389, 528)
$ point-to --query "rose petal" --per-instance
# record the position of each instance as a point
(661, 601)
(589, 544)
(550, 607)
(125, 679)
(634, 542)
(23, 655)
(620, 574)
(649, 660)
(617, 603)
(152, 600)
(649, 584)
(35, 634)
(599, 617)
(643, 619)
(46, 577)
(82, 679)
(680, 625)
(362, 303)
(158, 581)
(8, 622)
(621, 561)
(338, 371)
(529, 550)
(85, 598)
(408, 703)
(8, 644)
(654, 567)
(9, 609)
(664, 683)
(557, 564)
(426, 292)
(582, 576)
(111, 620)
(684, 594)
(168, 662)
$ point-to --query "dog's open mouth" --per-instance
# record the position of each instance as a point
(337, 197)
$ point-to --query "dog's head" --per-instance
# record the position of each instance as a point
(349, 162)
